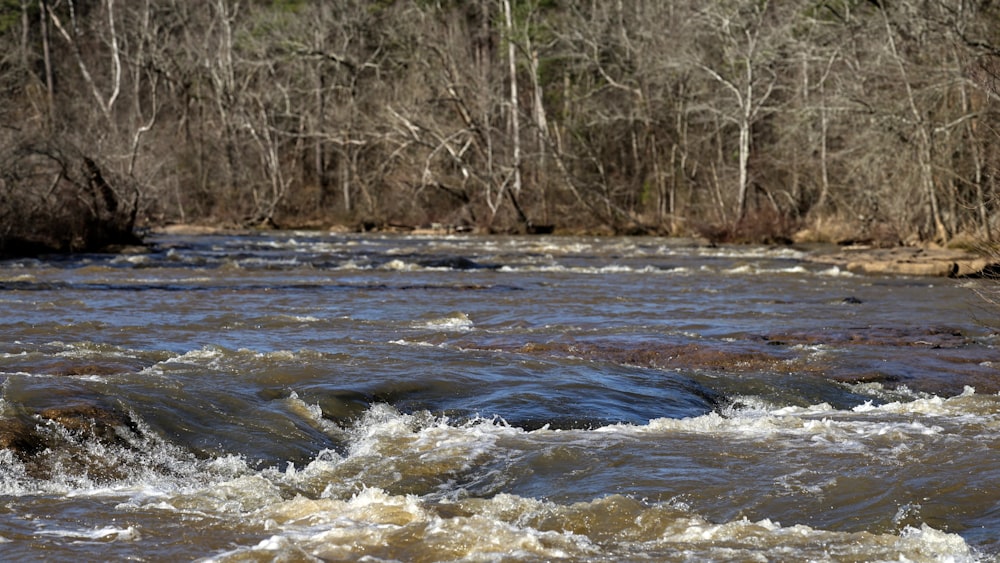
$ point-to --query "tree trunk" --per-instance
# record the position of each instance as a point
(49, 88)
(744, 159)
(515, 110)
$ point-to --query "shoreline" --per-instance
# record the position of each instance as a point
(909, 261)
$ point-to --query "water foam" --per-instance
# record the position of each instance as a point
(757, 270)
(867, 426)
(965, 404)
(397, 265)
(339, 505)
(375, 525)
(457, 321)
(107, 533)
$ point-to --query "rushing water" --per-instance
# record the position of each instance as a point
(309, 396)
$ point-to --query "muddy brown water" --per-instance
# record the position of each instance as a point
(309, 396)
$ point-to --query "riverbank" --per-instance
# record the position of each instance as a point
(909, 261)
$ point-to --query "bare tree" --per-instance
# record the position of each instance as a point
(105, 102)
(617, 116)
(745, 72)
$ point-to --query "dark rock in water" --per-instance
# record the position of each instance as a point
(61, 440)
(931, 337)
(867, 377)
(851, 300)
(60, 366)
(456, 263)
(21, 437)
(345, 407)
(540, 229)
(44, 452)
(93, 421)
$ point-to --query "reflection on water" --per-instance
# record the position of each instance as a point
(308, 396)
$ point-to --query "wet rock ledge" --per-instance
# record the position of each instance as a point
(909, 261)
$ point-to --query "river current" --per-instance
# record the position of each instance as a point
(327, 397)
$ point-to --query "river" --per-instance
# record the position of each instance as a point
(309, 396)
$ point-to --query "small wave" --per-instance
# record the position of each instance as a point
(871, 428)
(108, 533)
(19, 279)
(456, 321)
(384, 445)
(132, 259)
(404, 342)
(211, 355)
(754, 269)
(968, 403)
(397, 265)
(280, 320)
(313, 414)
(206, 354)
(835, 272)
(597, 270)
(728, 251)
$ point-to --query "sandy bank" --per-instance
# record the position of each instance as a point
(908, 261)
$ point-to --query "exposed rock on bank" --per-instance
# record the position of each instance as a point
(908, 261)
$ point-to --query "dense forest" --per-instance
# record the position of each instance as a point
(736, 119)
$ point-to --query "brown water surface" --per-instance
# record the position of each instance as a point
(309, 396)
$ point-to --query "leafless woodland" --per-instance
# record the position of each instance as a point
(735, 119)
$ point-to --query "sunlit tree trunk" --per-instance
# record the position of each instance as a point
(47, 58)
(104, 103)
(750, 86)
(145, 102)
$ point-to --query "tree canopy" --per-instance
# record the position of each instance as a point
(739, 119)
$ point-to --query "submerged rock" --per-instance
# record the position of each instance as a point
(92, 421)
(877, 336)
(21, 437)
(79, 440)
(457, 263)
